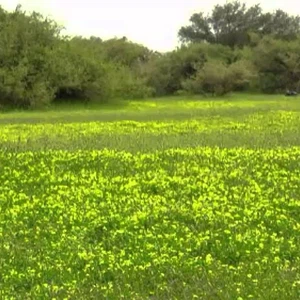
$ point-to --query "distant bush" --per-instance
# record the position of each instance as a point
(165, 73)
(218, 79)
(38, 65)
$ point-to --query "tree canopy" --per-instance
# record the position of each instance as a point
(231, 23)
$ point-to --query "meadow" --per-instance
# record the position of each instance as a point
(177, 198)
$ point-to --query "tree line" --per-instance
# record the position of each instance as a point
(234, 48)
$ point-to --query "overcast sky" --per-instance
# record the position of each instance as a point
(154, 23)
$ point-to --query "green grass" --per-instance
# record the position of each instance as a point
(161, 109)
(157, 199)
(158, 124)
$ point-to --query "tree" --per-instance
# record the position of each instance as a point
(165, 73)
(231, 23)
(281, 25)
(218, 79)
(26, 43)
(39, 66)
(125, 52)
(278, 64)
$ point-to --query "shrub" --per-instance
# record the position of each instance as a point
(218, 79)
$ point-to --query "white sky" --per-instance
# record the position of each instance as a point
(154, 23)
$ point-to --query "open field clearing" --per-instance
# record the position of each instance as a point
(157, 125)
(172, 200)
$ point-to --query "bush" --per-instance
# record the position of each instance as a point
(165, 73)
(213, 78)
(218, 79)
(76, 74)
(25, 45)
(126, 85)
(242, 75)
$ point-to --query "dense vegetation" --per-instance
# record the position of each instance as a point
(234, 48)
(169, 198)
(188, 200)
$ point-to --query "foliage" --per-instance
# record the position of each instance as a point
(231, 23)
(125, 52)
(278, 64)
(235, 48)
(38, 65)
(24, 62)
(166, 73)
(217, 78)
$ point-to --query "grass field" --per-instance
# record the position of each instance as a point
(158, 199)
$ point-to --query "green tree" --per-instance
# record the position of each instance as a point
(77, 74)
(278, 64)
(125, 52)
(231, 23)
(38, 65)
(217, 78)
(165, 73)
(26, 43)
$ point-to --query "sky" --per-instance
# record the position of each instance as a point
(153, 23)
